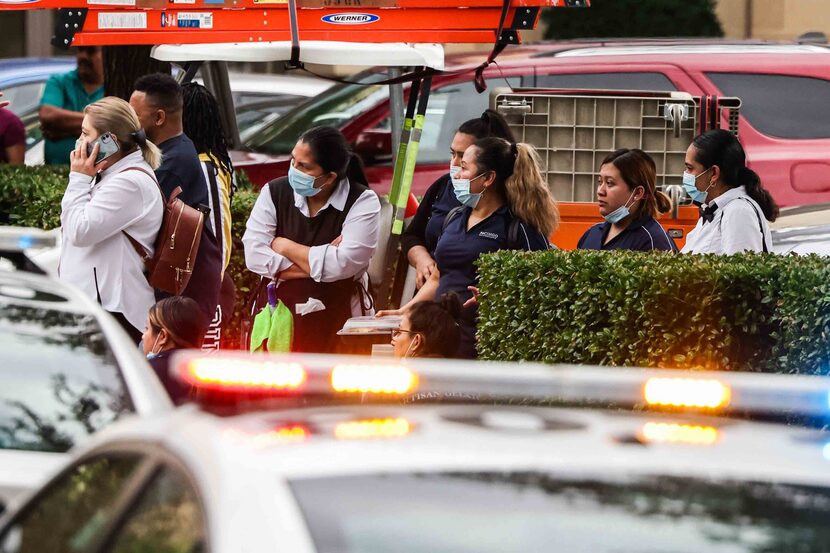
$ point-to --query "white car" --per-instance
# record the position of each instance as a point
(67, 369)
(344, 455)
(802, 230)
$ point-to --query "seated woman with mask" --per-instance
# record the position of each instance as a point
(173, 324)
(428, 329)
(629, 202)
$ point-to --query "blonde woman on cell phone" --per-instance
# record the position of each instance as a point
(111, 194)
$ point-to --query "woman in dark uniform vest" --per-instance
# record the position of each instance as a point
(314, 233)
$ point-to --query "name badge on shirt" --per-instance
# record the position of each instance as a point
(490, 235)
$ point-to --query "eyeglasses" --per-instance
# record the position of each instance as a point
(398, 331)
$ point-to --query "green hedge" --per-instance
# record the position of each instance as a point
(747, 312)
(31, 196)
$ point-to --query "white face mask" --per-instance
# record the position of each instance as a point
(454, 170)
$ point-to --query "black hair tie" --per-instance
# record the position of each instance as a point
(514, 149)
(140, 137)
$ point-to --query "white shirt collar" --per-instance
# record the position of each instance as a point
(127, 161)
(337, 200)
(728, 196)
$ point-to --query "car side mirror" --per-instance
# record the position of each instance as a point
(374, 146)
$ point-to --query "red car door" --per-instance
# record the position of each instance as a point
(785, 122)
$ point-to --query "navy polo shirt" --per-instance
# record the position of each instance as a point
(444, 203)
(643, 235)
(425, 227)
(459, 248)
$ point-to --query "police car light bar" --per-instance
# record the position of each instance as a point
(370, 378)
(212, 373)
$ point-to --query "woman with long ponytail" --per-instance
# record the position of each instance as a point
(734, 205)
(505, 205)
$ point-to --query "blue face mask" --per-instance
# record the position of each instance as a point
(461, 187)
(454, 170)
(690, 186)
(620, 213)
(301, 183)
(152, 354)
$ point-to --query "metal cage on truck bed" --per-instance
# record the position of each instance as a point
(573, 131)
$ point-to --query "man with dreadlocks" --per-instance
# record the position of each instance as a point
(204, 127)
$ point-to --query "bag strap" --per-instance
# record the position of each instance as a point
(139, 249)
(452, 214)
(513, 234)
(760, 223)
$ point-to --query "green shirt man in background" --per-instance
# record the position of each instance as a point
(64, 99)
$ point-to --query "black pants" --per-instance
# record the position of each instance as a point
(132, 332)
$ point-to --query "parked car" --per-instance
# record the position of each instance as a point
(258, 99)
(784, 123)
(253, 88)
(343, 455)
(802, 230)
(22, 81)
(67, 369)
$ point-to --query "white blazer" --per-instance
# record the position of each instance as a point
(92, 218)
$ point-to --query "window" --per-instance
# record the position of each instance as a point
(167, 519)
(59, 380)
(448, 108)
(783, 106)
(606, 81)
(74, 511)
(252, 117)
(335, 107)
(532, 511)
(24, 98)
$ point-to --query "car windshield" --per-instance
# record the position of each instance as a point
(499, 512)
(59, 380)
(335, 107)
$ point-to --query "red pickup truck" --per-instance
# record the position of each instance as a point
(784, 122)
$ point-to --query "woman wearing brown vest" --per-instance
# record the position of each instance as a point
(314, 233)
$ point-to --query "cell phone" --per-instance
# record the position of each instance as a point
(107, 146)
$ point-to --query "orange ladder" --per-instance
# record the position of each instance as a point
(124, 22)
